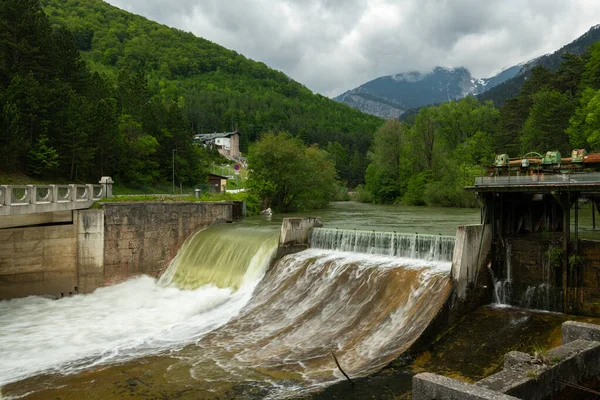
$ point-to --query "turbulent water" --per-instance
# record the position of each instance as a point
(226, 319)
(140, 316)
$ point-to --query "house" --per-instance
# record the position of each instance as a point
(218, 183)
(227, 143)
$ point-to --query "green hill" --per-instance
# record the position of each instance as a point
(216, 88)
(87, 89)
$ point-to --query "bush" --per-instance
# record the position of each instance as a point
(415, 193)
(362, 195)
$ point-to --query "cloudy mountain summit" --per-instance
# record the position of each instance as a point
(390, 96)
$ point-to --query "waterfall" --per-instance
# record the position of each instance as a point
(502, 291)
(508, 261)
(414, 246)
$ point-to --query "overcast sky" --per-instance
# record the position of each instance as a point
(335, 45)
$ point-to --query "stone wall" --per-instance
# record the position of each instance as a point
(590, 278)
(142, 238)
(537, 284)
(38, 260)
(100, 247)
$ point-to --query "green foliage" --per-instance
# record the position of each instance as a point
(213, 88)
(417, 184)
(286, 175)
(43, 159)
(554, 254)
(361, 194)
(548, 119)
(584, 125)
(577, 262)
(430, 161)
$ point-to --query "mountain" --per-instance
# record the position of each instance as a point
(391, 96)
(511, 87)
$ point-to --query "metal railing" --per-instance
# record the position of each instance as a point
(533, 180)
(47, 198)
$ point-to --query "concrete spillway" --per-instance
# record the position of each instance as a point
(406, 245)
(228, 321)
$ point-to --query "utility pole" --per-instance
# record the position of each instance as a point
(174, 150)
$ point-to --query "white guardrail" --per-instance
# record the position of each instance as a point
(19, 199)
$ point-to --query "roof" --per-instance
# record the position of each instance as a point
(208, 136)
(218, 176)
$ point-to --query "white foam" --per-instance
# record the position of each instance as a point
(128, 320)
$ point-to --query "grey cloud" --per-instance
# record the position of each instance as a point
(334, 45)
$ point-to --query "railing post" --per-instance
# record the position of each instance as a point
(8, 194)
(73, 192)
(89, 190)
(106, 183)
(32, 192)
(53, 195)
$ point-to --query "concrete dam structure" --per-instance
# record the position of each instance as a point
(239, 314)
(61, 253)
(366, 296)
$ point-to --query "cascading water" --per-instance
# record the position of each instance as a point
(140, 316)
(231, 328)
(414, 246)
(539, 296)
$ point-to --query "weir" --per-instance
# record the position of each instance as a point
(366, 296)
(424, 247)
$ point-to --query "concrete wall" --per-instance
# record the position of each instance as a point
(295, 235)
(538, 377)
(142, 238)
(40, 260)
(471, 250)
(90, 250)
(99, 247)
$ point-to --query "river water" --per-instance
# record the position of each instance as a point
(217, 322)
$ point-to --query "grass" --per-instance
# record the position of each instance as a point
(252, 202)
(173, 198)
(532, 373)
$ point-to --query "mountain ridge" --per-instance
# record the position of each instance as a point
(392, 95)
(369, 98)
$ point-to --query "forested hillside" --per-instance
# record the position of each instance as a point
(217, 89)
(87, 89)
(431, 158)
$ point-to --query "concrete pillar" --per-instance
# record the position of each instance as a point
(106, 183)
(7, 195)
(90, 249)
(472, 246)
(32, 193)
(295, 234)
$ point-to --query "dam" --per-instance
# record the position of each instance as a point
(219, 319)
(225, 321)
